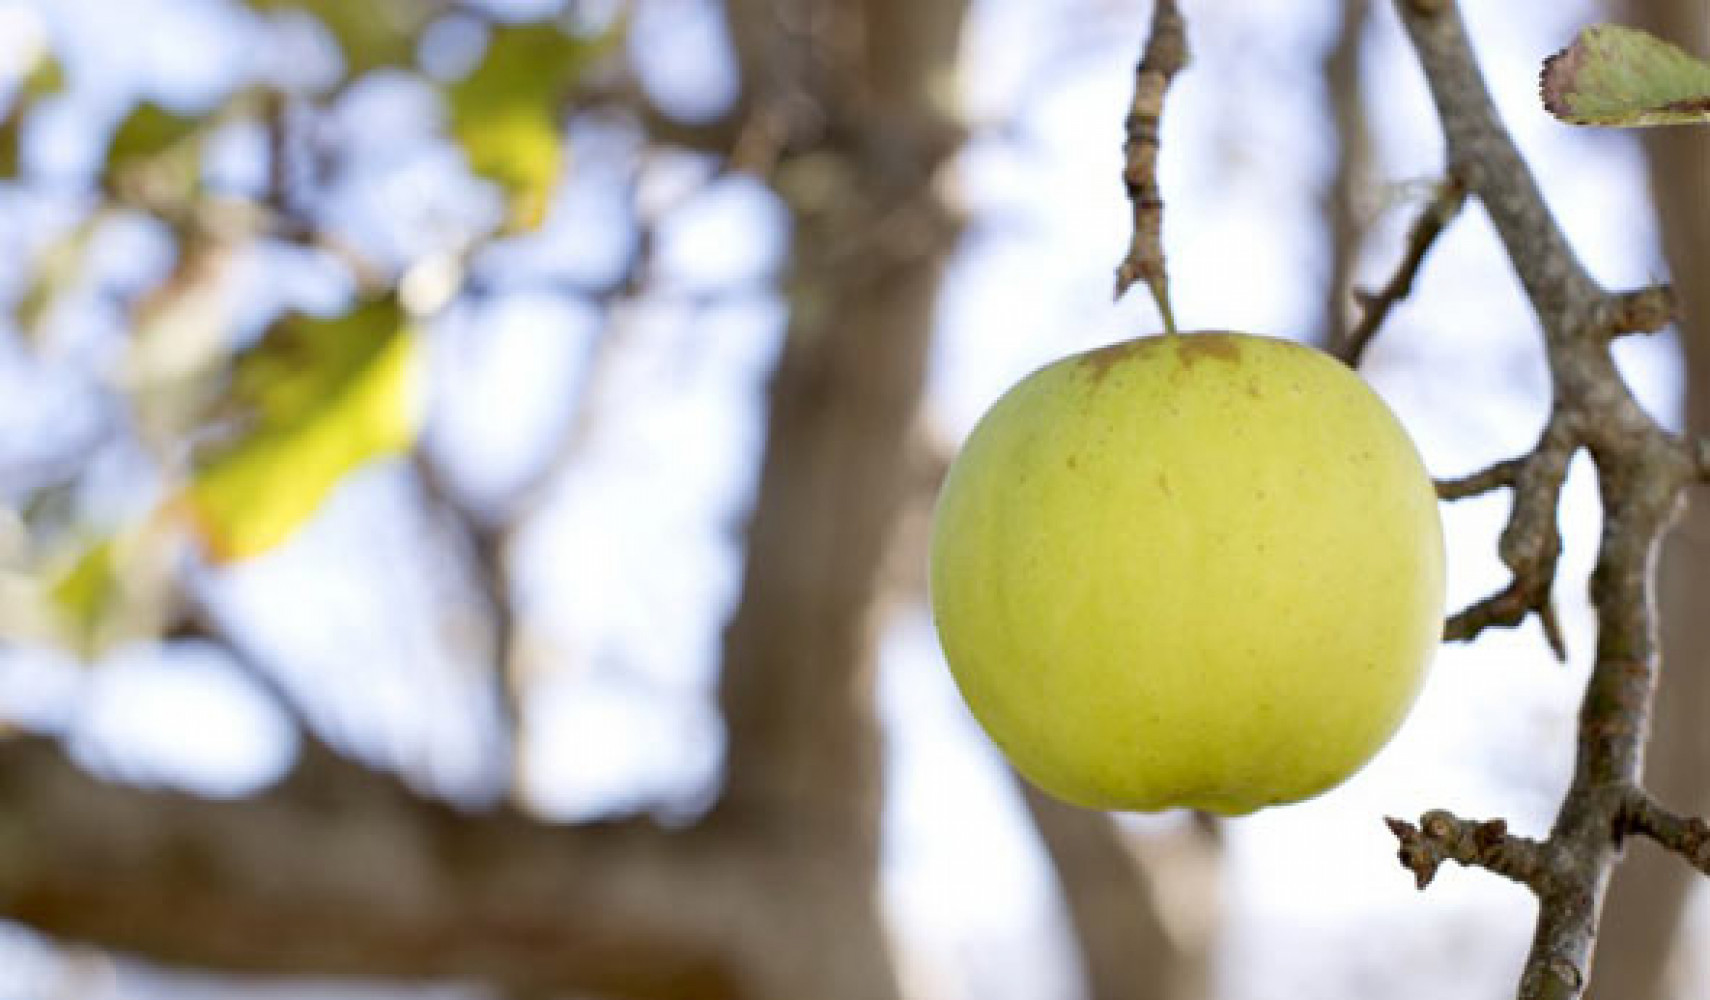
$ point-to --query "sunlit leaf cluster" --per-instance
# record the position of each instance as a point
(251, 434)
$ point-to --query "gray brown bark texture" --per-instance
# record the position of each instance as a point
(1644, 473)
(1642, 948)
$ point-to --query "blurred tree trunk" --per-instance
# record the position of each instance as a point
(851, 98)
(1341, 198)
(1641, 936)
(339, 871)
(1132, 946)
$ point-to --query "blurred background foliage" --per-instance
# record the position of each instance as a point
(464, 467)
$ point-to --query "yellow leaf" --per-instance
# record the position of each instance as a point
(84, 591)
(505, 112)
(326, 396)
(103, 592)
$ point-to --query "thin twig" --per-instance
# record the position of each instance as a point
(1375, 307)
(1686, 836)
(1642, 310)
(1166, 53)
(1531, 542)
(1442, 836)
(1496, 477)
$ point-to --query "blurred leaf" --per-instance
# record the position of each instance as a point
(44, 79)
(105, 592)
(1614, 75)
(56, 271)
(369, 33)
(146, 133)
(85, 591)
(325, 396)
(505, 112)
(178, 357)
(11, 128)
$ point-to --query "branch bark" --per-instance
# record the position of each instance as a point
(1642, 472)
(1647, 900)
(1128, 950)
(343, 872)
(1165, 54)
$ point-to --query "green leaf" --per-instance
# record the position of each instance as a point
(325, 397)
(505, 112)
(11, 143)
(370, 33)
(148, 132)
(46, 78)
(1614, 75)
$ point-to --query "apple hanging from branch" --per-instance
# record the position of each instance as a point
(1199, 570)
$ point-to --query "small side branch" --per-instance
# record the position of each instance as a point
(1531, 543)
(1642, 310)
(1166, 53)
(1688, 837)
(1502, 474)
(1375, 307)
(1442, 836)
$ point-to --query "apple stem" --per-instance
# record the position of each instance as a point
(1160, 287)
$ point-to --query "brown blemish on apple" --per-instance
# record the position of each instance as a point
(1164, 484)
(1098, 363)
(1191, 348)
(1200, 346)
(1072, 463)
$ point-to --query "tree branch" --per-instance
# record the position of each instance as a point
(1375, 307)
(1642, 310)
(1531, 542)
(1642, 471)
(1165, 54)
(1442, 836)
(1127, 950)
(342, 871)
(1688, 837)
(1487, 480)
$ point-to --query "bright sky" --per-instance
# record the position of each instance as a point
(644, 527)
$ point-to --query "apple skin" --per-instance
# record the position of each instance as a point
(1200, 570)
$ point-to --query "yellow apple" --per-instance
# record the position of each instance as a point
(1200, 570)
